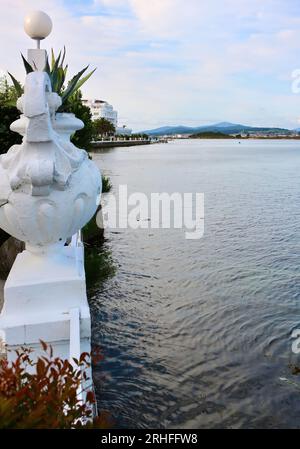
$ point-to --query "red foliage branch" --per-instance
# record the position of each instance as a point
(44, 393)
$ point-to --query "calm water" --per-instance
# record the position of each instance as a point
(197, 333)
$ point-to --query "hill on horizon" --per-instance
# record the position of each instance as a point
(224, 127)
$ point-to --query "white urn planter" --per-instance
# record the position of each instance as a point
(66, 124)
(49, 189)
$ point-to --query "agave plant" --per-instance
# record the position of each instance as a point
(57, 73)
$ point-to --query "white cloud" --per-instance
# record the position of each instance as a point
(172, 61)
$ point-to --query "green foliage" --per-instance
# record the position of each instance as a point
(103, 127)
(91, 232)
(8, 94)
(99, 264)
(8, 114)
(211, 135)
(8, 138)
(139, 136)
(18, 87)
(106, 184)
(27, 66)
(70, 94)
(57, 72)
(83, 137)
(47, 397)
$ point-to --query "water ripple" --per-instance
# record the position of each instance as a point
(197, 334)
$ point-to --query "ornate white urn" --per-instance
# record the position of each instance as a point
(65, 124)
(49, 189)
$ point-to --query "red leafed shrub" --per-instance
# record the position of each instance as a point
(47, 394)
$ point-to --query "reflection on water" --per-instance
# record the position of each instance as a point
(99, 265)
(197, 333)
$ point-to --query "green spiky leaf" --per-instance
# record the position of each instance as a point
(72, 85)
(58, 73)
(27, 66)
(52, 59)
(47, 67)
(63, 57)
(56, 64)
(84, 79)
(58, 80)
(17, 85)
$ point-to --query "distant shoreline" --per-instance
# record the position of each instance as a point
(219, 135)
(227, 128)
(244, 138)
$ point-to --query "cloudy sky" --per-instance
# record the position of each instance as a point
(163, 62)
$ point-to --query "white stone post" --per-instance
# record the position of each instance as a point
(50, 190)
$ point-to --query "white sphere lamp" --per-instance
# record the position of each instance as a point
(38, 25)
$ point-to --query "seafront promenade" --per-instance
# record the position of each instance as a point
(119, 143)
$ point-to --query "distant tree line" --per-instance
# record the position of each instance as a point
(8, 114)
(211, 135)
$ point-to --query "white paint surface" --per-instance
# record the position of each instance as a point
(51, 188)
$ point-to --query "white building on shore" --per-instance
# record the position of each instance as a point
(102, 109)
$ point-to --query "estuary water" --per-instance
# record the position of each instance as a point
(197, 333)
